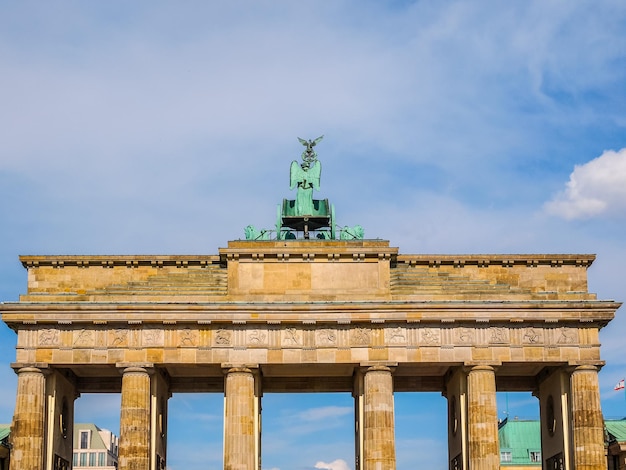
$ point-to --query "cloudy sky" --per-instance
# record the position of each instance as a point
(450, 127)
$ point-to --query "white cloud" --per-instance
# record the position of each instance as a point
(325, 413)
(595, 188)
(338, 464)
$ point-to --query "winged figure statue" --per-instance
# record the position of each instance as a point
(306, 177)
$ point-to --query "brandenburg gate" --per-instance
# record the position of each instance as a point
(302, 308)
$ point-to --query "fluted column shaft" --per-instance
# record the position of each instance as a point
(239, 420)
(27, 432)
(379, 449)
(134, 447)
(483, 450)
(587, 421)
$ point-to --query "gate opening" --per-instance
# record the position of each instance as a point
(308, 430)
(421, 430)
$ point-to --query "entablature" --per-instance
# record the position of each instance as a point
(594, 314)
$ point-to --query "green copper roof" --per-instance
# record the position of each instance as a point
(5, 430)
(616, 429)
(520, 439)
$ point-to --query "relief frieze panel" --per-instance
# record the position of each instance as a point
(498, 335)
(565, 335)
(291, 337)
(223, 337)
(465, 336)
(532, 335)
(118, 337)
(360, 336)
(256, 337)
(49, 337)
(153, 337)
(395, 335)
(84, 338)
(430, 336)
(307, 336)
(187, 337)
(326, 337)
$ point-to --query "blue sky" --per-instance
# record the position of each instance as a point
(450, 127)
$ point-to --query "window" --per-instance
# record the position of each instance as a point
(92, 459)
(83, 459)
(101, 459)
(506, 456)
(535, 456)
(75, 459)
(84, 439)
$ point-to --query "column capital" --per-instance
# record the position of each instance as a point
(585, 368)
(475, 367)
(135, 367)
(33, 367)
(378, 366)
(244, 368)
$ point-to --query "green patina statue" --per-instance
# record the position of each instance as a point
(306, 177)
(305, 214)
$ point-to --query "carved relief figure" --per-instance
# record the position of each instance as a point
(119, 337)
(152, 337)
(361, 336)
(326, 336)
(84, 337)
(256, 336)
(223, 336)
(430, 335)
(531, 336)
(396, 335)
(567, 336)
(187, 337)
(291, 336)
(466, 335)
(498, 335)
(49, 337)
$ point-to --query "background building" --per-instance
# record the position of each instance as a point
(94, 447)
(520, 444)
(616, 443)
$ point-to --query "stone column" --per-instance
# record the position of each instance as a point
(482, 412)
(240, 420)
(134, 447)
(587, 421)
(27, 431)
(379, 449)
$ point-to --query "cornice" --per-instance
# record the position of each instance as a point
(597, 313)
(311, 251)
(109, 261)
(506, 260)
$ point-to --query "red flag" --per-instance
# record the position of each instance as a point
(620, 385)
